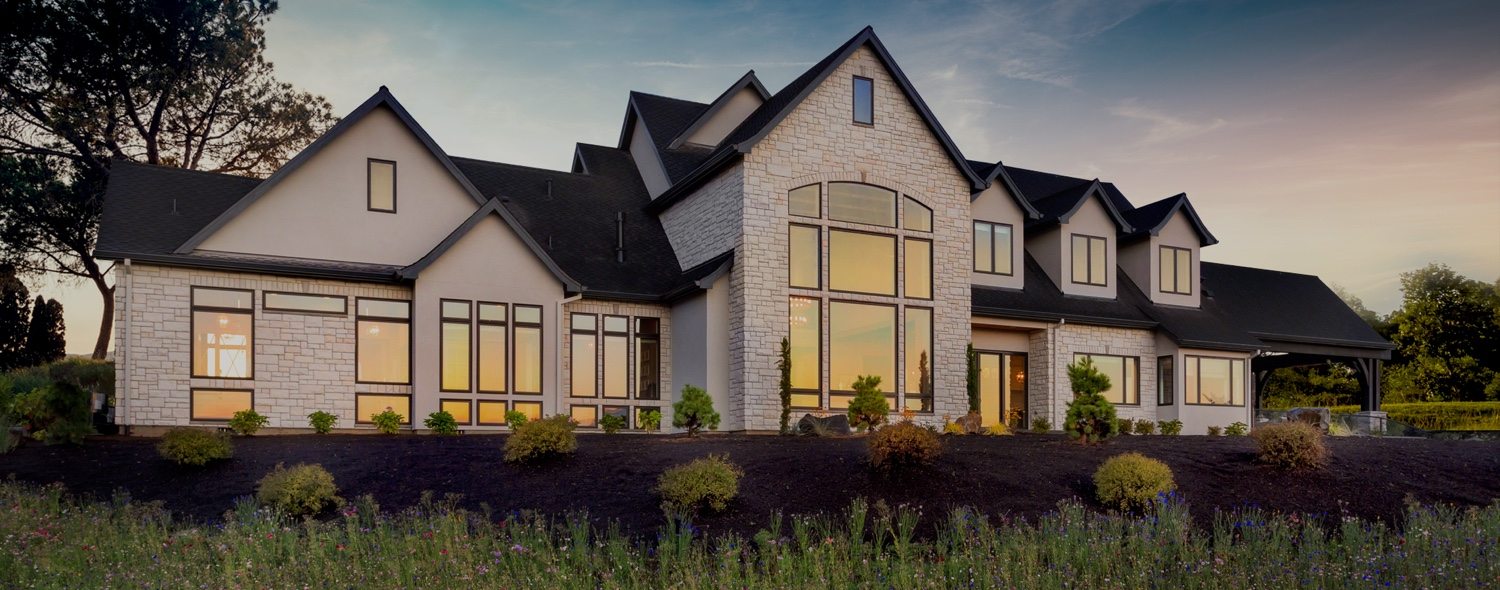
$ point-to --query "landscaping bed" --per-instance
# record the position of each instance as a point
(612, 477)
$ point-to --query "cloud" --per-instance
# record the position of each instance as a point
(714, 66)
(1165, 127)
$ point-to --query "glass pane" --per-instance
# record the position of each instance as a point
(918, 269)
(1114, 368)
(807, 400)
(861, 263)
(491, 413)
(839, 402)
(918, 351)
(1003, 256)
(1015, 385)
(647, 326)
(616, 324)
(455, 310)
(586, 322)
(805, 201)
(368, 405)
(1080, 259)
(223, 298)
(585, 416)
(455, 349)
(864, 100)
(532, 410)
(1185, 271)
(1132, 378)
(384, 352)
(383, 186)
(1237, 383)
(492, 312)
(616, 368)
(1167, 261)
(527, 314)
(918, 216)
(804, 250)
(459, 409)
(377, 308)
(219, 405)
(492, 358)
(528, 359)
(222, 344)
(806, 326)
(861, 203)
(647, 368)
(1213, 381)
(990, 374)
(312, 303)
(984, 247)
(861, 341)
(1097, 261)
(584, 376)
(1190, 380)
(1164, 381)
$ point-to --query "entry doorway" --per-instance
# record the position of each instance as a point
(1002, 389)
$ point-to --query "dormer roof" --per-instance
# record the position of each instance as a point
(1150, 219)
(1059, 207)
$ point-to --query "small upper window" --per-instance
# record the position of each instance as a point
(1176, 266)
(864, 101)
(382, 189)
(1090, 260)
(918, 216)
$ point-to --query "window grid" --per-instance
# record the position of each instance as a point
(1095, 269)
(997, 255)
(240, 306)
(373, 319)
(1176, 268)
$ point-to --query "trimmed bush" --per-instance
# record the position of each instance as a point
(515, 418)
(1041, 425)
(1291, 445)
(322, 422)
(998, 430)
(1170, 427)
(195, 447)
(952, 427)
(869, 409)
(538, 440)
(1215, 431)
(442, 423)
(247, 422)
(387, 422)
(694, 411)
(612, 424)
(903, 446)
(1144, 427)
(784, 385)
(303, 490)
(650, 420)
(1236, 429)
(708, 482)
(1132, 481)
(1090, 418)
(1126, 425)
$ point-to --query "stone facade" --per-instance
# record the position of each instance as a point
(1053, 350)
(631, 310)
(707, 223)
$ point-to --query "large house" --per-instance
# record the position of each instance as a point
(374, 271)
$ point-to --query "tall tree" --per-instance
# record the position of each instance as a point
(46, 340)
(14, 318)
(176, 83)
(1447, 333)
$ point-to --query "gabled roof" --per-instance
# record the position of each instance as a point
(1150, 219)
(749, 80)
(1042, 300)
(490, 207)
(1059, 207)
(1036, 185)
(153, 209)
(664, 119)
(993, 172)
(1276, 306)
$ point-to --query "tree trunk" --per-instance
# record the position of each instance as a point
(106, 321)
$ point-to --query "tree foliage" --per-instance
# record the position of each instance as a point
(15, 316)
(1447, 335)
(784, 386)
(695, 411)
(45, 337)
(971, 378)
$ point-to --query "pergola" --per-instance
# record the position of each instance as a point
(1364, 357)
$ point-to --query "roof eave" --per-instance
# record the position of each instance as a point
(189, 261)
(999, 173)
(749, 80)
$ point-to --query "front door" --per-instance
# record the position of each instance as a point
(1002, 389)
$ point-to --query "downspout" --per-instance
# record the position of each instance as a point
(557, 363)
(124, 355)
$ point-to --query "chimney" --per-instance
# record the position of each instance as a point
(620, 236)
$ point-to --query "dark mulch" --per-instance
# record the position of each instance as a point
(612, 476)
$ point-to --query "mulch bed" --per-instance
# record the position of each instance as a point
(612, 477)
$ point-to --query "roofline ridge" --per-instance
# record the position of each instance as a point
(166, 168)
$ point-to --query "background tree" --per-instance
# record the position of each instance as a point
(180, 84)
(1447, 335)
(46, 339)
(14, 319)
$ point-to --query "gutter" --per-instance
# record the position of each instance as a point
(1061, 318)
(390, 277)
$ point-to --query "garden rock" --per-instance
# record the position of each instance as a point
(814, 425)
(1319, 417)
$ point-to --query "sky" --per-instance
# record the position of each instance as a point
(1354, 140)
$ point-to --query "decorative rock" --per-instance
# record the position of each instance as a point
(814, 425)
(1319, 417)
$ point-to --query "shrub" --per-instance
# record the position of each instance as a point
(1170, 427)
(710, 482)
(1041, 425)
(441, 422)
(903, 446)
(868, 410)
(515, 418)
(1237, 429)
(971, 378)
(1291, 445)
(1214, 431)
(54, 412)
(952, 427)
(694, 411)
(299, 491)
(247, 422)
(387, 422)
(784, 386)
(650, 420)
(322, 422)
(998, 430)
(1144, 426)
(8, 441)
(1091, 418)
(612, 423)
(1125, 425)
(1132, 481)
(195, 446)
(537, 440)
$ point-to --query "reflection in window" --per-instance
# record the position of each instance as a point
(805, 249)
(454, 346)
(806, 201)
(1176, 270)
(1164, 381)
(918, 216)
(218, 404)
(491, 413)
(648, 358)
(585, 416)
(223, 333)
(1124, 377)
(861, 341)
(382, 185)
(861, 262)
(864, 100)
(805, 340)
(918, 273)
(383, 339)
(616, 352)
(367, 405)
(918, 359)
(458, 408)
(584, 350)
(992, 248)
(491, 355)
(1214, 381)
(532, 410)
(861, 203)
(527, 345)
(1090, 262)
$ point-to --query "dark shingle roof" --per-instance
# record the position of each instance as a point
(1276, 305)
(154, 209)
(1041, 299)
(1150, 219)
(1036, 185)
(665, 118)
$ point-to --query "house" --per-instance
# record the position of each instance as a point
(374, 271)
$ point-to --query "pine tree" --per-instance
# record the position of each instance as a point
(14, 319)
(45, 340)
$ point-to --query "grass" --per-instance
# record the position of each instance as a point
(1440, 415)
(54, 541)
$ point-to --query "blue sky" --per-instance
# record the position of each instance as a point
(1352, 140)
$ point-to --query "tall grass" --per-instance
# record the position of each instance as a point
(1440, 415)
(53, 541)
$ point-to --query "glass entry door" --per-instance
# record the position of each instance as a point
(1002, 389)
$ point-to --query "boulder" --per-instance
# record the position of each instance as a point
(1319, 417)
(837, 424)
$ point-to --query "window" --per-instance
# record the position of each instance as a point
(1089, 260)
(1176, 270)
(918, 359)
(219, 404)
(616, 353)
(304, 303)
(223, 333)
(532, 410)
(491, 413)
(861, 203)
(491, 354)
(648, 358)
(861, 341)
(382, 341)
(992, 248)
(1124, 377)
(806, 337)
(585, 351)
(918, 273)
(459, 408)
(585, 416)
(1210, 381)
(622, 412)
(864, 101)
(805, 253)
(526, 347)
(1164, 381)
(861, 263)
(381, 176)
(367, 405)
(805, 201)
(453, 347)
(918, 216)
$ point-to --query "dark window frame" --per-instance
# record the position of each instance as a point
(818, 255)
(573, 334)
(410, 337)
(1088, 261)
(895, 205)
(541, 332)
(896, 251)
(789, 213)
(370, 185)
(931, 358)
(1137, 363)
(854, 101)
(443, 321)
(637, 336)
(896, 327)
(604, 334)
(410, 409)
(472, 416)
(193, 401)
(1198, 386)
(995, 249)
(265, 304)
(194, 308)
(478, 346)
(822, 400)
(596, 414)
(905, 198)
(931, 274)
(480, 422)
(1175, 270)
(1166, 390)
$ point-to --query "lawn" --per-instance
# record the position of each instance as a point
(1440, 415)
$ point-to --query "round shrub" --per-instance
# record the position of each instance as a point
(1170, 427)
(515, 418)
(195, 446)
(301, 490)
(1237, 429)
(1215, 430)
(1291, 445)
(710, 482)
(247, 422)
(1041, 425)
(903, 446)
(1125, 425)
(694, 411)
(387, 422)
(441, 422)
(868, 409)
(612, 424)
(1144, 426)
(650, 420)
(322, 422)
(541, 439)
(1132, 481)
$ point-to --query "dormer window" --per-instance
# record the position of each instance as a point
(864, 101)
(1176, 270)
(381, 192)
(1090, 261)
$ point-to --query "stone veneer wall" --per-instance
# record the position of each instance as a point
(303, 362)
(632, 310)
(707, 223)
(1050, 367)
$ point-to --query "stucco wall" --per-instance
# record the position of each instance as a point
(1091, 219)
(996, 205)
(739, 106)
(1142, 261)
(647, 162)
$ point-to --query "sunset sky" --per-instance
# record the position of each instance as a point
(1353, 140)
